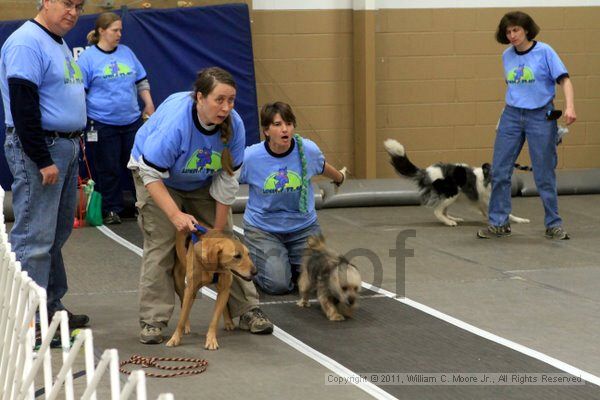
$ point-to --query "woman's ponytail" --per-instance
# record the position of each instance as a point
(226, 158)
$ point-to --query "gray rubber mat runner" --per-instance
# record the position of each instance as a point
(387, 337)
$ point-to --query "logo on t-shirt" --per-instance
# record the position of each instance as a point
(115, 70)
(72, 72)
(203, 160)
(282, 181)
(520, 74)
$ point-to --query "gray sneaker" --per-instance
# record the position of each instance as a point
(557, 233)
(151, 335)
(494, 232)
(256, 321)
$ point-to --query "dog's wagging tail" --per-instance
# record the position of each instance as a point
(441, 184)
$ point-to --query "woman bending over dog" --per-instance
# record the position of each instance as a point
(183, 161)
(280, 215)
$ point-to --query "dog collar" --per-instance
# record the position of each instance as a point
(200, 230)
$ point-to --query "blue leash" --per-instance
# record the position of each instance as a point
(200, 230)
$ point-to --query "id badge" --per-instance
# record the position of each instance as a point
(92, 135)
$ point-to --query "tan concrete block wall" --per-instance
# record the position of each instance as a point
(16, 10)
(440, 88)
(305, 59)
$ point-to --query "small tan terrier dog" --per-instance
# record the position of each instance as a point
(336, 281)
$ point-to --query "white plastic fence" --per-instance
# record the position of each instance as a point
(20, 300)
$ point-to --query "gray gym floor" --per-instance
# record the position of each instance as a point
(535, 301)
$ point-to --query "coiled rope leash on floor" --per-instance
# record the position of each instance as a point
(197, 365)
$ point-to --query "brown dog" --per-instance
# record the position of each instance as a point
(195, 266)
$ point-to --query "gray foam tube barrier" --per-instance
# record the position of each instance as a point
(403, 192)
(581, 181)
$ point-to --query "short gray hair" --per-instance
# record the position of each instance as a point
(40, 4)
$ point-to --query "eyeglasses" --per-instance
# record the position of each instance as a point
(69, 6)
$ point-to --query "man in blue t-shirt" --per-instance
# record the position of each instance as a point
(44, 103)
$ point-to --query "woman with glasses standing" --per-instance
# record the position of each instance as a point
(113, 78)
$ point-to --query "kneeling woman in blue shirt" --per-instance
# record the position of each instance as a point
(280, 214)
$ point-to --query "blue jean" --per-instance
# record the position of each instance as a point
(516, 125)
(111, 153)
(44, 214)
(277, 256)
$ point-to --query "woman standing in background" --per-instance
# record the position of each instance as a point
(113, 79)
(531, 71)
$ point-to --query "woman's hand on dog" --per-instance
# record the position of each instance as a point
(184, 222)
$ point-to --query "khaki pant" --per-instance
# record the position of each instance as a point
(156, 290)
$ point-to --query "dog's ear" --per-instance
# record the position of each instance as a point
(343, 260)
(460, 175)
(316, 241)
(486, 168)
(211, 251)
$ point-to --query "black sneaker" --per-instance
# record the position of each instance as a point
(256, 321)
(494, 232)
(112, 218)
(55, 343)
(76, 321)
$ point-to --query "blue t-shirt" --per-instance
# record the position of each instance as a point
(173, 140)
(110, 79)
(531, 76)
(31, 54)
(274, 182)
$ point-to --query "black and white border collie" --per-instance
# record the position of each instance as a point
(441, 184)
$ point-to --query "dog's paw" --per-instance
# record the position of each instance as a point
(229, 325)
(211, 343)
(187, 329)
(336, 317)
(521, 220)
(174, 341)
(303, 303)
(450, 223)
(455, 219)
